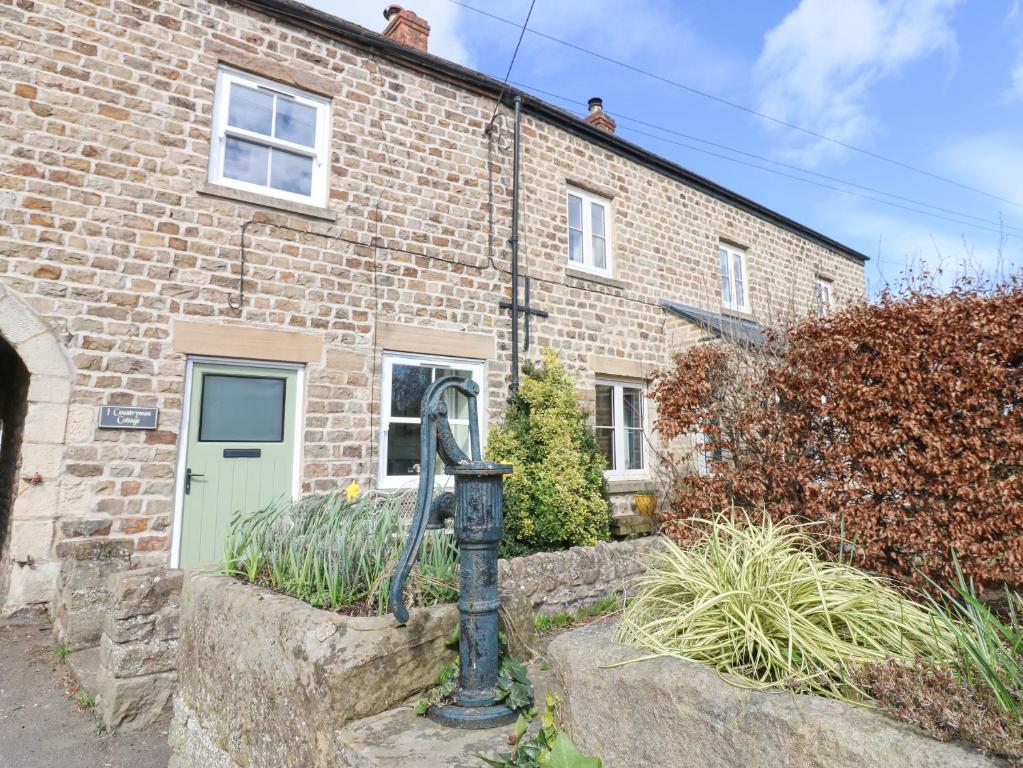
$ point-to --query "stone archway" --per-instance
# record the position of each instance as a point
(35, 392)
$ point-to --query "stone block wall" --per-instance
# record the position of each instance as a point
(269, 679)
(665, 711)
(139, 648)
(554, 581)
(83, 596)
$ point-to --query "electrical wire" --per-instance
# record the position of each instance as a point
(743, 108)
(515, 53)
(478, 268)
(621, 117)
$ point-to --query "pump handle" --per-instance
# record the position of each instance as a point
(435, 436)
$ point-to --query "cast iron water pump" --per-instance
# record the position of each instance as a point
(477, 506)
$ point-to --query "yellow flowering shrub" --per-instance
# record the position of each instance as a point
(556, 497)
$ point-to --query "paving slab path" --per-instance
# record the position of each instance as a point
(41, 727)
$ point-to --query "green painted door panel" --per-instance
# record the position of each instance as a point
(240, 452)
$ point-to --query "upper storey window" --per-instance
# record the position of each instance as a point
(269, 138)
(589, 231)
(822, 296)
(734, 287)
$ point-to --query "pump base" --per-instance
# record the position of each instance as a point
(471, 718)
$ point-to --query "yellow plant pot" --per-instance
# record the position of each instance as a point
(646, 504)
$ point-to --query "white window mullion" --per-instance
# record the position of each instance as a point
(620, 430)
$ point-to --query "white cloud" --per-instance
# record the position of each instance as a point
(1014, 23)
(819, 64)
(992, 162)
(445, 20)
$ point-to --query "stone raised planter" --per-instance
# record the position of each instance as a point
(266, 680)
(662, 712)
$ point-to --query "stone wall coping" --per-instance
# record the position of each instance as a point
(212, 579)
(682, 707)
(95, 549)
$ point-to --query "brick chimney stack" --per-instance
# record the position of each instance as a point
(598, 117)
(406, 28)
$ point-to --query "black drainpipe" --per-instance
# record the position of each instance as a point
(514, 242)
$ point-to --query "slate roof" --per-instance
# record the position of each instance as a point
(725, 326)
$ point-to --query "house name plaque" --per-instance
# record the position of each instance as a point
(127, 417)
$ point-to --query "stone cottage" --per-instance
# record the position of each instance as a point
(239, 237)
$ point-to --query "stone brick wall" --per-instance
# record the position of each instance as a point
(81, 604)
(109, 233)
(555, 581)
(138, 675)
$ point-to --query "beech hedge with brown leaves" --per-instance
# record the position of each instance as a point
(899, 424)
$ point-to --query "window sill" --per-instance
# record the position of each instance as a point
(582, 274)
(739, 314)
(620, 485)
(266, 201)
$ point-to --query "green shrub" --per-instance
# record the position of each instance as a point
(556, 498)
(756, 601)
(336, 552)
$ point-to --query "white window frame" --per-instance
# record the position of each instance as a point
(390, 359)
(823, 294)
(732, 252)
(618, 409)
(586, 264)
(226, 79)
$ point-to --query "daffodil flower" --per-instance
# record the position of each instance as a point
(352, 491)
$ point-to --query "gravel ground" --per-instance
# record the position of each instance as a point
(41, 727)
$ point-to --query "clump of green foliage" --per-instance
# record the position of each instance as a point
(756, 601)
(513, 686)
(977, 696)
(549, 747)
(339, 553)
(556, 496)
(559, 620)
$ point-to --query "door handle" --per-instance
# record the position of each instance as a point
(189, 474)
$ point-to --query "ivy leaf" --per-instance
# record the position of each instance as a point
(564, 754)
(517, 671)
(519, 696)
(521, 726)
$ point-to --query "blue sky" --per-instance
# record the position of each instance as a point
(934, 84)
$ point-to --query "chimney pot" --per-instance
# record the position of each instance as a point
(405, 27)
(597, 117)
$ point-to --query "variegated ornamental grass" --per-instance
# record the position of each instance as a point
(756, 601)
(338, 551)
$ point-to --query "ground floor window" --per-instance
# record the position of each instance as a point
(404, 382)
(620, 425)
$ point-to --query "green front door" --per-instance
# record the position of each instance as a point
(240, 453)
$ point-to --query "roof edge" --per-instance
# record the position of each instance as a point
(330, 25)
